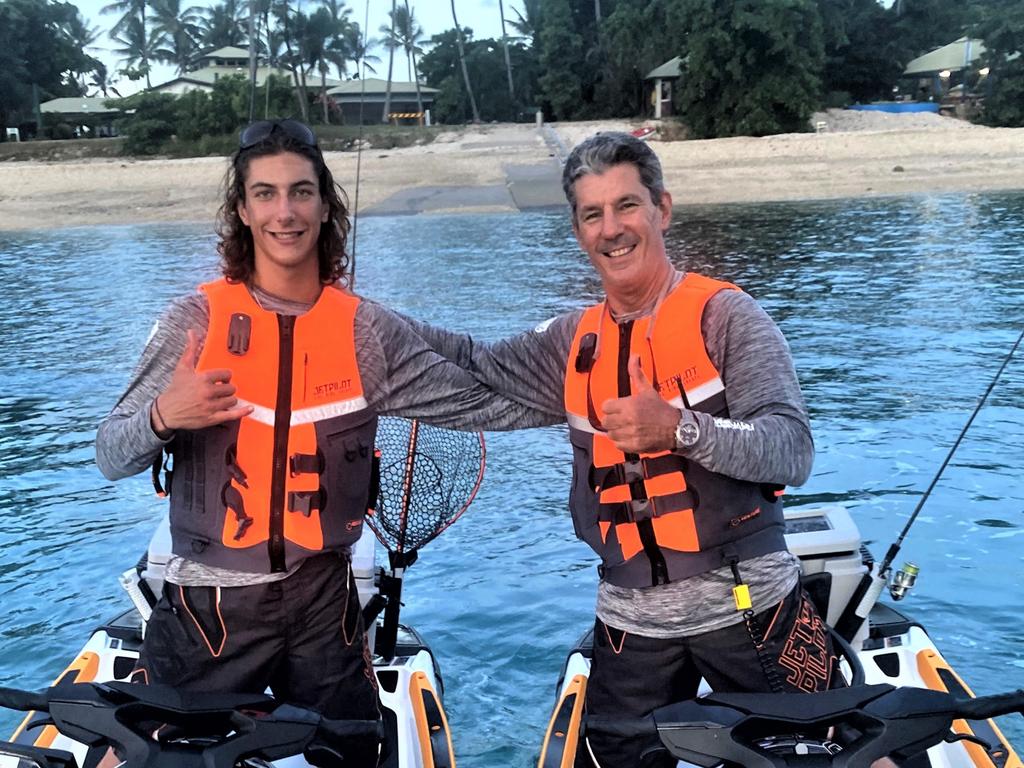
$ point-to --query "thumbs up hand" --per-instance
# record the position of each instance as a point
(642, 422)
(195, 399)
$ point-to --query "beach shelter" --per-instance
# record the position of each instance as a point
(661, 90)
(85, 115)
(954, 57)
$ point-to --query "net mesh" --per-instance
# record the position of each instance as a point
(428, 476)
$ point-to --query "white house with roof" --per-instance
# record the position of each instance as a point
(228, 61)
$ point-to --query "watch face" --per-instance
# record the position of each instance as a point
(687, 433)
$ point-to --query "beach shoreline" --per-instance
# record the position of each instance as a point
(514, 167)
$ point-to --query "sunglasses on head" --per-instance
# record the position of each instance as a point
(262, 130)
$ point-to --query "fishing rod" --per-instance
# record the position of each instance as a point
(872, 583)
(359, 142)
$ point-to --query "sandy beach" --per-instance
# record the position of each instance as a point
(494, 168)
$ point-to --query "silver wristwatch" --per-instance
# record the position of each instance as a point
(687, 431)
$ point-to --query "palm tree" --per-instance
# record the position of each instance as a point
(462, 61)
(390, 42)
(177, 30)
(130, 30)
(128, 9)
(292, 32)
(77, 31)
(504, 44)
(224, 24)
(319, 44)
(412, 35)
(361, 51)
(102, 82)
(341, 48)
(138, 48)
(527, 23)
(408, 35)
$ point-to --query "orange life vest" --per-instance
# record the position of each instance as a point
(295, 477)
(656, 518)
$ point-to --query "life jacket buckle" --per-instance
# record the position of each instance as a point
(307, 463)
(305, 501)
(632, 471)
(641, 509)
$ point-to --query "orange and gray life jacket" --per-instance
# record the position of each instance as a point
(657, 518)
(295, 477)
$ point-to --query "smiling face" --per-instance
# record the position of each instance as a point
(284, 211)
(622, 231)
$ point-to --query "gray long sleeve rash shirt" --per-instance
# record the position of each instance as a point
(401, 376)
(766, 439)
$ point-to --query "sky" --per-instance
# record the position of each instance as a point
(434, 16)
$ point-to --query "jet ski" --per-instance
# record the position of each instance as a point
(420, 495)
(889, 649)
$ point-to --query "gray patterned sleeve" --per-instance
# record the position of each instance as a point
(404, 376)
(125, 441)
(767, 438)
(528, 368)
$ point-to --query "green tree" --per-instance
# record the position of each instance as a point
(1002, 28)
(862, 54)
(485, 63)
(38, 59)
(753, 67)
(635, 38)
(561, 60)
(149, 122)
(923, 25)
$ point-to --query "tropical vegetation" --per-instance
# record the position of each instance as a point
(747, 66)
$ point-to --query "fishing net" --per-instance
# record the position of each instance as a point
(428, 477)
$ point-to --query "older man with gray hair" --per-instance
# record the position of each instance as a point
(686, 421)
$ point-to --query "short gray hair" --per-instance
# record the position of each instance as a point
(599, 153)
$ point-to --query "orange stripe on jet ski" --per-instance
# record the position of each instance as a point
(559, 750)
(431, 724)
(939, 676)
(84, 669)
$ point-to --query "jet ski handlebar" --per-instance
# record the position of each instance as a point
(777, 730)
(153, 726)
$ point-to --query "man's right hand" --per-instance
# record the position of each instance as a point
(195, 399)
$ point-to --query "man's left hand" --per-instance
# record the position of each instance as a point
(642, 422)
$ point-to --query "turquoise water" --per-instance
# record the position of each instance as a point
(899, 311)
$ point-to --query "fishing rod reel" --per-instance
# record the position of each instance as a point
(903, 580)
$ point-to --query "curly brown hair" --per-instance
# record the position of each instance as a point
(236, 246)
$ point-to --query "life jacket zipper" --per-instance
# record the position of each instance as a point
(282, 427)
(659, 568)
